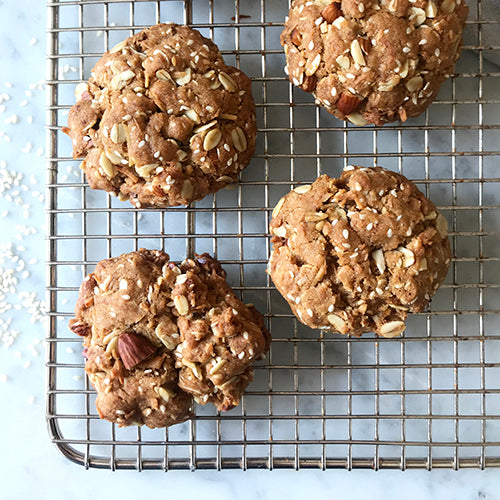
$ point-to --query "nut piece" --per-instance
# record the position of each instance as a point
(309, 83)
(392, 329)
(348, 103)
(79, 328)
(337, 322)
(181, 304)
(239, 139)
(378, 257)
(133, 349)
(296, 37)
(331, 12)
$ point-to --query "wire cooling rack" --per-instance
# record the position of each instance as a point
(430, 399)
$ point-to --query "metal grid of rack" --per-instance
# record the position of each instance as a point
(430, 399)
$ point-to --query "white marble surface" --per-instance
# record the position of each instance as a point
(30, 465)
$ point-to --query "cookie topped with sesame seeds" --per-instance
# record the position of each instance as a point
(358, 253)
(373, 61)
(163, 121)
(158, 334)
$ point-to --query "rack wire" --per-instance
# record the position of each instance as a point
(428, 400)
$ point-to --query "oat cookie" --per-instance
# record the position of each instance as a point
(163, 121)
(356, 254)
(373, 61)
(159, 334)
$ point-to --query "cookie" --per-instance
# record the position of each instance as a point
(358, 253)
(159, 334)
(373, 61)
(163, 121)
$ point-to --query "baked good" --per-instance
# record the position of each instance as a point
(158, 334)
(163, 121)
(357, 253)
(371, 61)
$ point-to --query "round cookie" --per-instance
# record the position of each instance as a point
(371, 61)
(356, 254)
(163, 121)
(158, 334)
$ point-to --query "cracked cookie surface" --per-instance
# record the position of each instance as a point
(358, 253)
(159, 334)
(373, 61)
(163, 121)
